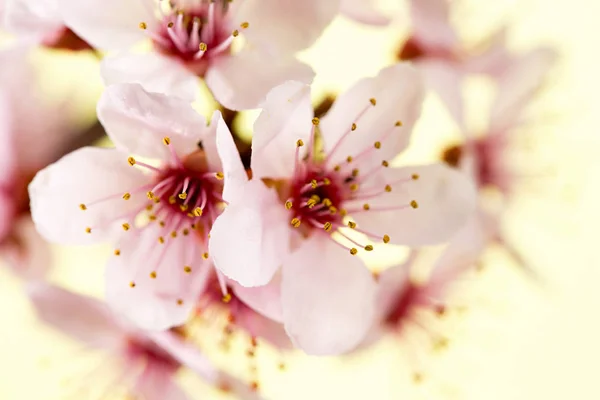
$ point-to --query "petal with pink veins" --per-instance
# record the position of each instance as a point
(250, 239)
(155, 72)
(365, 11)
(84, 190)
(283, 27)
(137, 121)
(147, 282)
(445, 199)
(233, 169)
(328, 298)
(109, 24)
(83, 318)
(242, 81)
(285, 118)
(397, 93)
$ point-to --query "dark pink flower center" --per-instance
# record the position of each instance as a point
(151, 354)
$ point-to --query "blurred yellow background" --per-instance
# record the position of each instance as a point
(512, 338)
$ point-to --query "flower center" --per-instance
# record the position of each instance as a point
(151, 354)
(195, 35)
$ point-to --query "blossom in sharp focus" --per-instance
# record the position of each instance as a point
(305, 204)
(34, 133)
(242, 48)
(158, 207)
(40, 21)
(145, 364)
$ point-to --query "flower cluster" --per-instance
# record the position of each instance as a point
(276, 233)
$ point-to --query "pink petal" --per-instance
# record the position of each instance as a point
(26, 252)
(283, 27)
(398, 92)
(431, 24)
(328, 298)
(155, 72)
(8, 162)
(83, 177)
(32, 19)
(263, 299)
(263, 328)
(158, 383)
(164, 301)
(109, 24)
(7, 214)
(391, 283)
(241, 91)
(137, 121)
(445, 79)
(365, 11)
(286, 117)
(446, 199)
(84, 318)
(233, 169)
(250, 240)
(518, 85)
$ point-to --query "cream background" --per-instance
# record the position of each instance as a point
(516, 339)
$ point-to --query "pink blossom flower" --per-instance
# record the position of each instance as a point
(40, 21)
(303, 199)
(34, 132)
(365, 11)
(159, 210)
(144, 363)
(194, 38)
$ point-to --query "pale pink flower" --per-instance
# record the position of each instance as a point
(34, 132)
(301, 199)
(364, 11)
(144, 363)
(160, 206)
(242, 48)
(39, 21)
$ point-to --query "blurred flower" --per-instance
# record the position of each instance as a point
(160, 215)
(143, 363)
(288, 214)
(40, 21)
(201, 38)
(365, 11)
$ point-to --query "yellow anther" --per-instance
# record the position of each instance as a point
(314, 184)
(311, 203)
(343, 212)
(235, 33)
(88, 230)
(126, 226)
(167, 140)
(132, 284)
(315, 197)
(184, 207)
(244, 25)
(127, 196)
(373, 101)
(172, 200)
(198, 212)
(186, 232)
(398, 123)
(355, 172)
(82, 207)
(174, 234)
(295, 222)
(117, 252)
(226, 298)
(153, 274)
(149, 207)
(327, 226)
(299, 143)
(353, 251)
(156, 200)
(170, 24)
(366, 206)
(326, 181)
(220, 176)
(377, 145)
(369, 247)
(179, 302)
(161, 240)
(150, 195)
(349, 159)
(354, 187)
(327, 202)
(131, 161)
(414, 204)
(386, 239)
(288, 205)
(385, 163)
(143, 25)
(203, 46)
(205, 256)
(337, 168)
(187, 269)
(162, 223)
(353, 127)
(415, 177)
(351, 224)
(388, 188)
(333, 210)
(182, 196)
(152, 217)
